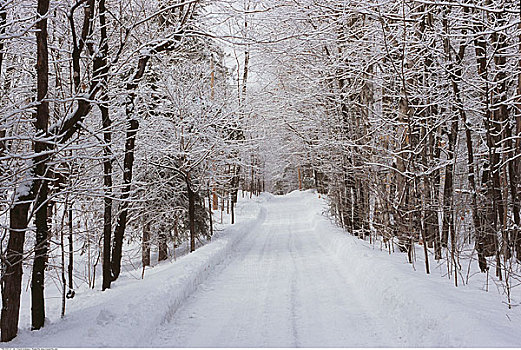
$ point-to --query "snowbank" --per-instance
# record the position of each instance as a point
(127, 314)
(426, 309)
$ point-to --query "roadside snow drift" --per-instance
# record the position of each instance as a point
(127, 314)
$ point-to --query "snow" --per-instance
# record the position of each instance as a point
(283, 276)
(128, 313)
(24, 188)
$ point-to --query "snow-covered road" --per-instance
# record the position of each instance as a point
(297, 281)
(281, 289)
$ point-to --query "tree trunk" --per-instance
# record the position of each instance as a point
(12, 282)
(42, 121)
(163, 247)
(63, 279)
(70, 293)
(145, 245)
(233, 212)
(191, 213)
(128, 164)
(429, 224)
(516, 164)
(102, 69)
(486, 241)
(402, 187)
(210, 213)
(234, 189)
(500, 115)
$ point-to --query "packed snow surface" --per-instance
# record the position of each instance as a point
(284, 276)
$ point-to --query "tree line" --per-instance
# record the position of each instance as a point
(119, 123)
(407, 114)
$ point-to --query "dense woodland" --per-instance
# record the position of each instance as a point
(124, 121)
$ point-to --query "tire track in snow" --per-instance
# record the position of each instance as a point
(294, 292)
(164, 333)
(281, 289)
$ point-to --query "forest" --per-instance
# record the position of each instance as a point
(127, 127)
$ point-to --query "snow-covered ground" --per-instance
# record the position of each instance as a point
(283, 276)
